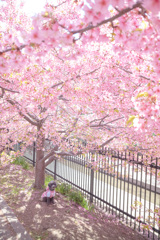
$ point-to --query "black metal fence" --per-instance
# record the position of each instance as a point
(122, 183)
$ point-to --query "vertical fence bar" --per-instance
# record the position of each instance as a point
(110, 162)
(67, 167)
(88, 173)
(84, 174)
(140, 192)
(132, 189)
(128, 186)
(149, 218)
(34, 153)
(91, 183)
(110, 189)
(117, 193)
(72, 169)
(64, 163)
(107, 180)
(101, 172)
(159, 219)
(55, 169)
(124, 191)
(81, 172)
(136, 194)
(155, 191)
(98, 172)
(120, 186)
(113, 186)
(145, 196)
(76, 171)
(96, 177)
(59, 169)
(104, 187)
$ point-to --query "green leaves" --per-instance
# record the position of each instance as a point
(73, 194)
(21, 161)
(130, 121)
(116, 110)
(142, 94)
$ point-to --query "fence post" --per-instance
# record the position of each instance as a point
(34, 153)
(55, 163)
(91, 184)
(18, 147)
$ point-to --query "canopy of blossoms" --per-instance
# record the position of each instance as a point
(81, 69)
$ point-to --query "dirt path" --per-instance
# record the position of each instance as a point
(64, 220)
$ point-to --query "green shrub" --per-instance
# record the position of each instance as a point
(77, 197)
(21, 161)
(48, 178)
(63, 188)
(91, 207)
(73, 195)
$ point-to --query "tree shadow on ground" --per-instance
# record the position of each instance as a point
(63, 220)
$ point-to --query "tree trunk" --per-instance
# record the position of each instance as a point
(40, 166)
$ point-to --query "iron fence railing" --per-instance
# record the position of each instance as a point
(122, 183)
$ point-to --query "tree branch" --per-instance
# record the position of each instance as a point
(9, 90)
(57, 84)
(129, 72)
(13, 103)
(115, 120)
(6, 80)
(105, 124)
(85, 74)
(2, 94)
(52, 152)
(101, 119)
(64, 153)
(50, 160)
(121, 13)
(31, 115)
(13, 49)
(109, 140)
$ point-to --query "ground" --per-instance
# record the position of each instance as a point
(64, 220)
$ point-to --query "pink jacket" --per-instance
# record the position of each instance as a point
(49, 193)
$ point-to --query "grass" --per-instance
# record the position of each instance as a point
(78, 198)
(48, 178)
(21, 161)
(64, 189)
(3, 180)
(15, 191)
(74, 195)
(91, 207)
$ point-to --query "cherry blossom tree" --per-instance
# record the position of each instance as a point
(80, 69)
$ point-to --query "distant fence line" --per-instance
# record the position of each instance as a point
(122, 184)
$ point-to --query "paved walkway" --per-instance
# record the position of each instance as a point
(10, 227)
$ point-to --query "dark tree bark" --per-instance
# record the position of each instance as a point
(40, 165)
